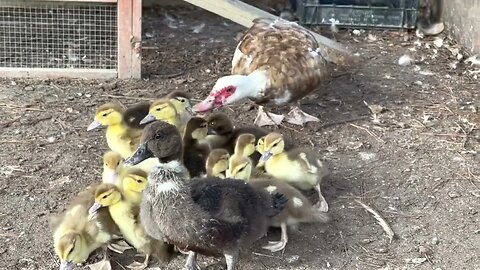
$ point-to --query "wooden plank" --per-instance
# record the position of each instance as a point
(56, 73)
(244, 14)
(87, 1)
(136, 67)
(124, 15)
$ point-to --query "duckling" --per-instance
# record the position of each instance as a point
(111, 166)
(222, 133)
(217, 162)
(120, 138)
(175, 109)
(195, 153)
(299, 167)
(182, 102)
(133, 181)
(210, 216)
(298, 208)
(75, 237)
(125, 215)
(134, 114)
(245, 146)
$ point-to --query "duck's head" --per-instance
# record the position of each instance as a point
(70, 250)
(245, 144)
(273, 144)
(226, 90)
(197, 128)
(161, 109)
(105, 195)
(239, 167)
(219, 124)
(107, 115)
(181, 101)
(134, 179)
(159, 139)
(111, 161)
(217, 162)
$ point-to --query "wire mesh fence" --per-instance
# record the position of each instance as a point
(37, 34)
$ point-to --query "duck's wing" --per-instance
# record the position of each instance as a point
(287, 52)
(134, 114)
(309, 160)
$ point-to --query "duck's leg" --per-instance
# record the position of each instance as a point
(140, 266)
(267, 118)
(275, 246)
(298, 117)
(191, 263)
(322, 204)
(231, 260)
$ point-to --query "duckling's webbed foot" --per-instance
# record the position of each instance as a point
(322, 204)
(267, 118)
(275, 246)
(191, 263)
(119, 247)
(139, 266)
(231, 260)
(298, 117)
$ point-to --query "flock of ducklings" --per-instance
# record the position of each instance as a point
(108, 211)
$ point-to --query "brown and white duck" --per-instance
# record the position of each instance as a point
(276, 62)
(210, 216)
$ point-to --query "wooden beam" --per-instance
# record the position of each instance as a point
(129, 38)
(55, 73)
(244, 14)
(136, 68)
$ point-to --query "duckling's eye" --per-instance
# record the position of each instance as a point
(275, 144)
(139, 181)
(159, 136)
(158, 109)
(104, 115)
(104, 196)
(118, 163)
(182, 100)
(241, 169)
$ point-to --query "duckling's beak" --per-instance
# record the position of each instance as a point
(93, 210)
(265, 156)
(147, 119)
(142, 153)
(211, 132)
(93, 125)
(189, 110)
(66, 265)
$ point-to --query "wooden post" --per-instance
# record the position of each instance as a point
(244, 14)
(129, 38)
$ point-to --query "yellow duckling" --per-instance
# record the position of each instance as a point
(299, 167)
(133, 181)
(112, 163)
(75, 237)
(298, 208)
(217, 162)
(125, 215)
(120, 137)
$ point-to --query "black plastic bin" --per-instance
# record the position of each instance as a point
(398, 14)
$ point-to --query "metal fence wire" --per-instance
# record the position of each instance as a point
(37, 34)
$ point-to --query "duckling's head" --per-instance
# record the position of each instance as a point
(161, 109)
(111, 161)
(273, 145)
(217, 162)
(197, 128)
(159, 139)
(181, 101)
(260, 145)
(69, 249)
(106, 115)
(219, 124)
(134, 179)
(239, 167)
(245, 144)
(105, 195)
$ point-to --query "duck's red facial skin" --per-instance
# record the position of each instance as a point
(215, 99)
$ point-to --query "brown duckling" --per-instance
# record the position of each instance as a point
(298, 209)
(210, 216)
(300, 167)
(217, 163)
(195, 152)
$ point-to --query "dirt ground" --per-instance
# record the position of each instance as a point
(416, 163)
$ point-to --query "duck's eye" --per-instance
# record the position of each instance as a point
(275, 144)
(241, 169)
(158, 136)
(104, 196)
(212, 123)
(229, 90)
(158, 109)
(104, 115)
(182, 100)
(118, 163)
(139, 181)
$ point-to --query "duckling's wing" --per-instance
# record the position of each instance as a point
(307, 159)
(134, 114)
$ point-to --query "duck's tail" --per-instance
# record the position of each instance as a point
(279, 201)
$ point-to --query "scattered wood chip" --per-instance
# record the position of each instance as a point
(101, 265)
(381, 221)
(119, 247)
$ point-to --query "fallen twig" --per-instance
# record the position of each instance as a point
(8, 123)
(126, 97)
(381, 221)
(371, 133)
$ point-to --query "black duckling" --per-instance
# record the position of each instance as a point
(195, 153)
(210, 216)
(135, 113)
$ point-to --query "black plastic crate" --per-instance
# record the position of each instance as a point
(359, 13)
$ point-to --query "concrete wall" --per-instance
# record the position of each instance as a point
(462, 20)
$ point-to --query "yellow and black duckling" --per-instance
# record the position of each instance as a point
(217, 163)
(300, 167)
(222, 133)
(210, 216)
(132, 182)
(134, 114)
(195, 152)
(125, 215)
(120, 137)
(175, 109)
(112, 164)
(298, 208)
(75, 237)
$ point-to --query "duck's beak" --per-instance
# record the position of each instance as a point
(189, 109)
(147, 119)
(64, 265)
(93, 210)
(265, 156)
(211, 131)
(93, 125)
(204, 106)
(140, 155)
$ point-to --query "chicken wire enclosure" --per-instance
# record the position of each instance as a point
(84, 39)
(400, 14)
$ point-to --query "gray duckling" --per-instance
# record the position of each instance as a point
(210, 216)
